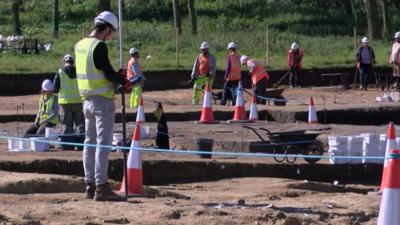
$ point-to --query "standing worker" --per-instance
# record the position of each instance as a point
(365, 58)
(48, 111)
(203, 72)
(294, 57)
(135, 77)
(96, 82)
(70, 102)
(259, 77)
(395, 59)
(232, 75)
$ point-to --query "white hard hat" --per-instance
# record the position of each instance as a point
(204, 45)
(243, 59)
(68, 57)
(47, 85)
(133, 51)
(231, 45)
(294, 46)
(397, 34)
(364, 40)
(107, 17)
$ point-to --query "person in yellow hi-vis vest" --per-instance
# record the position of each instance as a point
(70, 102)
(135, 77)
(203, 72)
(96, 82)
(48, 111)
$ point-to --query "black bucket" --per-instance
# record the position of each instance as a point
(205, 145)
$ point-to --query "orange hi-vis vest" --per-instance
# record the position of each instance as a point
(130, 72)
(258, 72)
(204, 65)
(235, 72)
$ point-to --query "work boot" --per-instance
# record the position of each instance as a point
(90, 189)
(104, 193)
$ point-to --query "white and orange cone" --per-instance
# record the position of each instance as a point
(253, 116)
(390, 202)
(240, 110)
(207, 115)
(140, 112)
(134, 173)
(312, 113)
(390, 144)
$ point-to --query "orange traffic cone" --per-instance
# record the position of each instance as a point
(140, 112)
(240, 111)
(134, 173)
(312, 113)
(207, 116)
(390, 202)
(253, 109)
(390, 144)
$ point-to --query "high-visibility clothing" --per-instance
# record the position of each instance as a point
(235, 72)
(130, 72)
(46, 110)
(294, 58)
(204, 66)
(69, 92)
(258, 72)
(91, 81)
(136, 93)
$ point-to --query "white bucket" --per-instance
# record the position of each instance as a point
(145, 132)
(13, 144)
(51, 134)
(39, 144)
(24, 144)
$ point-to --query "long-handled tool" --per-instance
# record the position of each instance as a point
(121, 66)
(282, 78)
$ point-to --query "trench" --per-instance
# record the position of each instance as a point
(161, 172)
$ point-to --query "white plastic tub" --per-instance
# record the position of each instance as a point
(24, 145)
(51, 134)
(13, 145)
(145, 132)
(39, 144)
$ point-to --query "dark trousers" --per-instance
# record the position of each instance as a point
(72, 118)
(34, 130)
(229, 91)
(364, 72)
(294, 76)
(259, 90)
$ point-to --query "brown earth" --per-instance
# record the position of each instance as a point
(229, 201)
(267, 200)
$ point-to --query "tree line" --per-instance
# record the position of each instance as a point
(377, 17)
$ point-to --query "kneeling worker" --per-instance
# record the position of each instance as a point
(135, 77)
(259, 77)
(48, 111)
(203, 72)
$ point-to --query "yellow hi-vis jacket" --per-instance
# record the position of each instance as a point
(69, 92)
(91, 81)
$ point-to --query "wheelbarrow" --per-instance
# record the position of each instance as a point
(296, 142)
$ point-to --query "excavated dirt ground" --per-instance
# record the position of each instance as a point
(267, 200)
(44, 199)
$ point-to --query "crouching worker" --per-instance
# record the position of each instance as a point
(259, 77)
(135, 77)
(48, 111)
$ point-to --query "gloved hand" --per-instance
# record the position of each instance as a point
(122, 72)
(119, 89)
(127, 86)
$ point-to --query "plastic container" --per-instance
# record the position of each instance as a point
(370, 147)
(24, 145)
(145, 132)
(338, 146)
(13, 145)
(205, 145)
(356, 149)
(117, 140)
(39, 144)
(51, 133)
